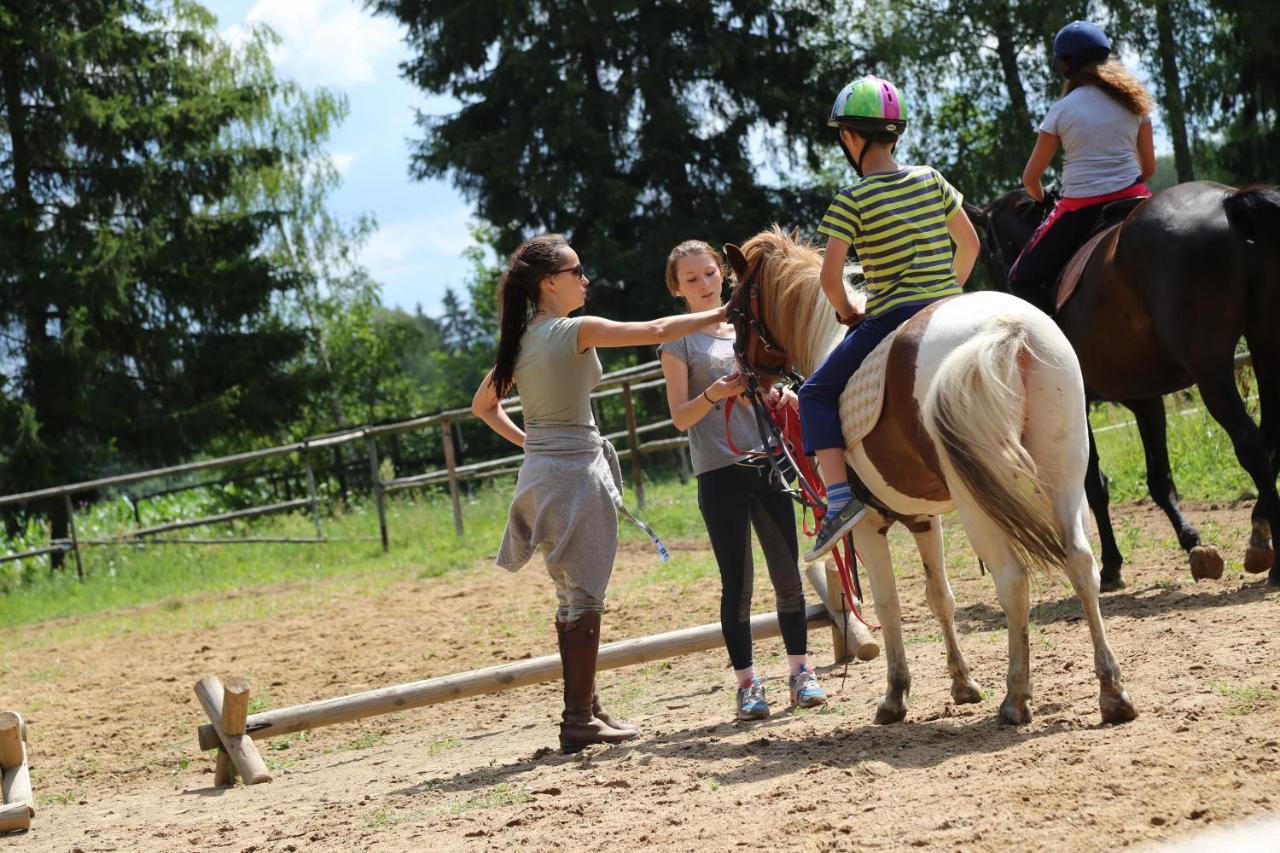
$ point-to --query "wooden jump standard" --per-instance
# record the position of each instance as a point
(232, 733)
(17, 805)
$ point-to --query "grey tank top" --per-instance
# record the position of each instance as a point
(707, 358)
(553, 379)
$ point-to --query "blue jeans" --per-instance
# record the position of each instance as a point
(820, 393)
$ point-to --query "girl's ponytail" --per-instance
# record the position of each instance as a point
(528, 265)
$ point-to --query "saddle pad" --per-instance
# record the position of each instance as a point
(864, 394)
(1075, 267)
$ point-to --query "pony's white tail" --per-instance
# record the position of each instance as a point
(974, 413)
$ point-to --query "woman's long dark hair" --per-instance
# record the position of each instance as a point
(528, 265)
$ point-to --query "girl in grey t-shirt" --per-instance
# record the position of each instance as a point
(1103, 124)
(734, 494)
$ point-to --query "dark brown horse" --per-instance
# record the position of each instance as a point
(1160, 306)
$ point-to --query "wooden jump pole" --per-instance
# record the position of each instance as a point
(494, 679)
(241, 752)
(451, 466)
(855, 641)
(17, 803)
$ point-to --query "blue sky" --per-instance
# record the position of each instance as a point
(422, 225)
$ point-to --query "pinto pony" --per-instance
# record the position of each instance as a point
(984, 413)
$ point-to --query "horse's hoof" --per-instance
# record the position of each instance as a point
(1015, 712)
(889, 712)
(1258, 560)
(965, 692)
(1116, 707)
(1206, 563)
(1111, 584)
(1273, 580)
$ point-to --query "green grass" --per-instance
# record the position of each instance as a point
(443, 744)
(496, 797)
(1245, 698)
(1203, 459)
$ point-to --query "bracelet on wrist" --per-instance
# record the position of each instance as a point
(707, 398)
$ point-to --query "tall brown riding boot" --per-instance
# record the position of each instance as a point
(579, 727)
(596, 709)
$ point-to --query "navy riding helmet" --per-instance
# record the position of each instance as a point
(1080, 43)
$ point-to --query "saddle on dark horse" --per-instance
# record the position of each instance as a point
(1102, 239)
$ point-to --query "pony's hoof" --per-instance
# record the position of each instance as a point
(1258, 560)
(1116, 707)
(889, 712)
(1015, 712)
(1111, 584)
(965, 692)
(1206, 563)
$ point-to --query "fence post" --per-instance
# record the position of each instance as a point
(375, 474)
(75, 544)
(633, 441)
(450, 463)
(311, 493)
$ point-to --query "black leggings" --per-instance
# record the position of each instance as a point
(730, 498)
(1035, 274)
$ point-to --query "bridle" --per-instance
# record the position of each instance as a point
(763, 361)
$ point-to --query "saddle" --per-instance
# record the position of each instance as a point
(863, 396)
(1113, 216)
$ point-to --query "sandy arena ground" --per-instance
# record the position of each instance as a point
(115, 764)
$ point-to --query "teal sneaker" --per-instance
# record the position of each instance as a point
(751, 702)
(806, 692)
(833, 528)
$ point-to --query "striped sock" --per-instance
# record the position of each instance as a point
(838, 494)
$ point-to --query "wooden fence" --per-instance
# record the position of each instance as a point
(622, 383)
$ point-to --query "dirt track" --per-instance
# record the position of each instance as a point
(116, 767)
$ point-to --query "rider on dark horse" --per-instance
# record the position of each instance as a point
(1103, 122)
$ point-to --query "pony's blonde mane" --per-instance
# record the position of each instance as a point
(800, 317)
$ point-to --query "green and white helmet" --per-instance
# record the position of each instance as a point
(869, 104)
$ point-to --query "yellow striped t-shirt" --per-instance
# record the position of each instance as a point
(897, 224)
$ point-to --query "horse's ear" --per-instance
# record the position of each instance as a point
(977, 215)
(737, 260)
(795, 234)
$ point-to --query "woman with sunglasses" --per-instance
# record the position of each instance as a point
(568, 492)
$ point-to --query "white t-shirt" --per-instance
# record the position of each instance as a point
(1099, 142)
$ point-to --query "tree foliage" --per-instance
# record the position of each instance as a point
(140, 301)
(628, 126)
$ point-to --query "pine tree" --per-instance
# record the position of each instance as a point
(136, 301)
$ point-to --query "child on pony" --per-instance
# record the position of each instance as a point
(901, 221)
(1103, 122)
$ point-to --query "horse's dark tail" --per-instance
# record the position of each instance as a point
(1254, 213)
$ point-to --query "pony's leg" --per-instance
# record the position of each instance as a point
(1206, 562)
(873, 544)
(1264, 351)
(943, 605)
(1113, 699)
(1012, 589)
(1223, 402)
(1096, 488)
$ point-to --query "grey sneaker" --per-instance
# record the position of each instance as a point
(751, 703)
(805, 690)
(834, 526)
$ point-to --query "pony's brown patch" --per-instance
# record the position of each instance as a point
(898, 445)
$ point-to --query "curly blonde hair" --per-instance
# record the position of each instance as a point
(688, 249)
(1117, 81)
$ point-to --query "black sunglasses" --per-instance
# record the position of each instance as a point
(576, 269)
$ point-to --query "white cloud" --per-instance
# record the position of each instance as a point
(342, 161)
(329, 42)
(414, 241)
